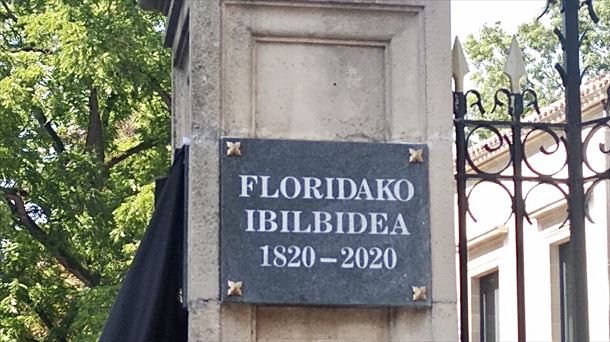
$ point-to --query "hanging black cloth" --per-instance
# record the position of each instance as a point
(148, 306)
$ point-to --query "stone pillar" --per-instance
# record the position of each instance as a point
(345, 70)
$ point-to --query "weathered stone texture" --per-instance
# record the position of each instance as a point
(351, 70)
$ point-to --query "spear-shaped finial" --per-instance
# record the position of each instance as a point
(460, 66)
(515, 67)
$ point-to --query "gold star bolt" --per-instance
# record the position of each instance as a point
(233, 148)
(234, 288)
(416, 155)
(419, 293)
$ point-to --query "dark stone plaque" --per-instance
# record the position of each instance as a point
(324, 223)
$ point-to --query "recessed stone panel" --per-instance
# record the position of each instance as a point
(318, 89)
(289, 67)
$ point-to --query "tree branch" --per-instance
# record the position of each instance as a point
(9, 13)
(165, 96)
(144, 145)
(58, 144)
(43, 316)
(95, 137)
(56, 332)
(109, 107)
(69, 262)
(28, 49)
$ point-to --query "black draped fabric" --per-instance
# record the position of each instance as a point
(148, 306)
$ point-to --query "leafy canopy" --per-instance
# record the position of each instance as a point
(541, 50)
(84, 107)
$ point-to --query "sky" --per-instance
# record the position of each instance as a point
(468, 16)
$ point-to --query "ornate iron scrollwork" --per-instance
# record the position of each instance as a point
(561, 142)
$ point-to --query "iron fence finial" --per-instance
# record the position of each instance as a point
(515, 66)
(460, 65)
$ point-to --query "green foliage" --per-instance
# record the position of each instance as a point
(541, 50)
(84, 108)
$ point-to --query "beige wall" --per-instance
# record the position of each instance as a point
(315, 70)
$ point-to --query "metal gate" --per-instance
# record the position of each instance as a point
(514, 134)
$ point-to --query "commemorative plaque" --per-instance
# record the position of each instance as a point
(324, 223)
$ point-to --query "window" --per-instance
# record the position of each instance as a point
(489, 307)
(565, 317)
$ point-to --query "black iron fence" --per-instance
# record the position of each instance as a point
(515, 135)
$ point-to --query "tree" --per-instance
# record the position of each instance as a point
(541, 50)
(84, 112)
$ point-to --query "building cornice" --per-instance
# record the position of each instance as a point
(171, 26)
(495, 235)
(176, 24)
(155, 5)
